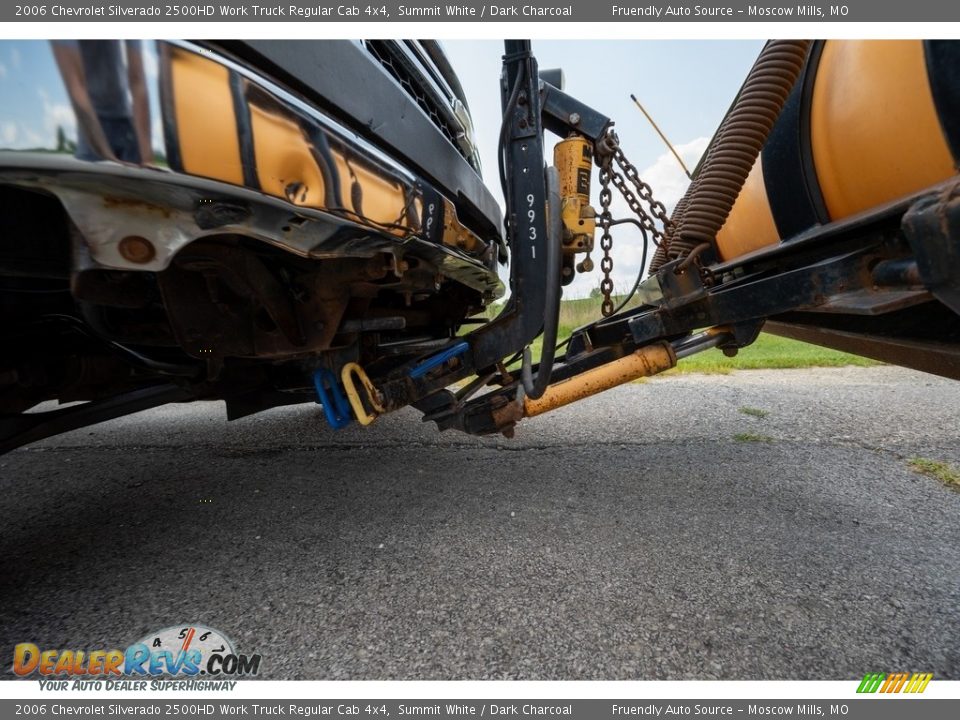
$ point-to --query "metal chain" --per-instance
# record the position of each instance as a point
(606, 240)
(657, 208)
(608, 151)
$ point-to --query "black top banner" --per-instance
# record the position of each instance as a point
(475, 11)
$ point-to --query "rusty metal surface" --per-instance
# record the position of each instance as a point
(223, 302)
(932, 226)
(871, 301)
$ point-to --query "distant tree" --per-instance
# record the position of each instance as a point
(64, 144)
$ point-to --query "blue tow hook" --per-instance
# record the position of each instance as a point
(439, 359)
(329, 395)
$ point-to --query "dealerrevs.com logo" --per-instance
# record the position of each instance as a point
(184, 651)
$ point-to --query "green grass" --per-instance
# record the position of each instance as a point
(766, 353)
(752, 438)
(573, 314)
(771, 352)
(944, 472)
(754, 412)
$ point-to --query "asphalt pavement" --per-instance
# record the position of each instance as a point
(658, 531)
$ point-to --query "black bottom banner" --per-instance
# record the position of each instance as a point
(877, 708)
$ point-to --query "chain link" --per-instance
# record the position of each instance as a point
(608, 152)
(657, 208)
(606, 241)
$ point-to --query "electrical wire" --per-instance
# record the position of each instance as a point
(504, 127)
(636, 284)
(643, 264)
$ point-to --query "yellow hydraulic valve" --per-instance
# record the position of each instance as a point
(573, 159)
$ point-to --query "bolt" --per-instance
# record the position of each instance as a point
(574, 118)
(136, 249)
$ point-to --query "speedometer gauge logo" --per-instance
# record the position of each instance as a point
(185, 638)
(189, 650)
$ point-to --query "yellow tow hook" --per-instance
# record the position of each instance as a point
(373, 396)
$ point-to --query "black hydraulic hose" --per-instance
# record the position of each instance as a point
(504, 129)
(161, 367)
(636, 282)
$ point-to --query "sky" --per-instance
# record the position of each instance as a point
(36, 102)
(686, 86)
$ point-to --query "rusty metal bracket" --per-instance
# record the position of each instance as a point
(932, 226)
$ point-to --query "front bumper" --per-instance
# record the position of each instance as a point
(208, 146)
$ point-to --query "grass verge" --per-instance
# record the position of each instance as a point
(753, 438)
(768, 352)
(944, 472)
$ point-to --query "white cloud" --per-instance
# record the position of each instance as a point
(3, 71)
(15, 58)
(8, 133)
(33, 139)
(19, 136)
(667, 178)
(57, 114)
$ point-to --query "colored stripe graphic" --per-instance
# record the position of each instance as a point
(894, 682)
(918, 683)
(897, 682)
(871, 682)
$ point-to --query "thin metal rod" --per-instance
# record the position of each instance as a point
(662, 136)
(698, 343)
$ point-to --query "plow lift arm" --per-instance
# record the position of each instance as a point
(533, 226)
(847, 283)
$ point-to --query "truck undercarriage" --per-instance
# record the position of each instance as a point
(318, 267)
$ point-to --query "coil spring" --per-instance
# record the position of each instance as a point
(705, 206)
